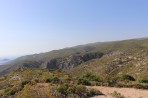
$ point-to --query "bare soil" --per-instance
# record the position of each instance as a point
(127, 92)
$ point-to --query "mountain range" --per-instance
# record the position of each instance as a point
(115, 57)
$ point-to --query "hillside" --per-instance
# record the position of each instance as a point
(131, 53)
(68, 72)
(42, 83)
(132, 59)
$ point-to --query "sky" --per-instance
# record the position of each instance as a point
(36, 26)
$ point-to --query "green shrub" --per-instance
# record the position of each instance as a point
(143, 80)
(91, 77)
(115, 94)
(69, 90)
(53, 79)
(127, 77)
(93, 92)
(34, 81)
(84, 81)
(62, 89)
(138, 86)
(47, 80)
(81, 91)
(9, 91)
(87, 79)
(23, 83)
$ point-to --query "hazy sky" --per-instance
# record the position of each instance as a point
(34, 26)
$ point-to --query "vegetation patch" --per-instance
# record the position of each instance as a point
(87, 79)
(143, 80)
(115, 94)
(127, 77)
(73, 91)
(38, 83)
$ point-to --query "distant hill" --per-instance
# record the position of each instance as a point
(3, 61)
(116, 57)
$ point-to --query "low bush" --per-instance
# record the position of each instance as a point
(10, 91)
(91, 77)
(93, 92)
(62, 89)
(73, 91)
(34, 81)
(115, 94)
(84, 81)
(23, 83)
(87, 79)
(126, 78)
(53, 80)
(143, 80)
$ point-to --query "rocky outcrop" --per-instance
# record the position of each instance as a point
(71, 61)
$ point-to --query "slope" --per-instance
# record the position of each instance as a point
(68, 58)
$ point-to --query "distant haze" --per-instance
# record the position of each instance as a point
(3, 61)
(35, 26)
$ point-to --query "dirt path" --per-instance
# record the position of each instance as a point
(127, 92)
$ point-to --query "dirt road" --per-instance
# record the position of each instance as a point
(127, 92)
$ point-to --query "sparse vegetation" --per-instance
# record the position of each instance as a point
(143, 80)
(74, 91)
(87, 79)
(47, 83)
(66, 72)
(127, 77)
(115, 94)
(53, 79)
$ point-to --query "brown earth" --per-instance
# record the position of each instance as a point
(127, 92)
